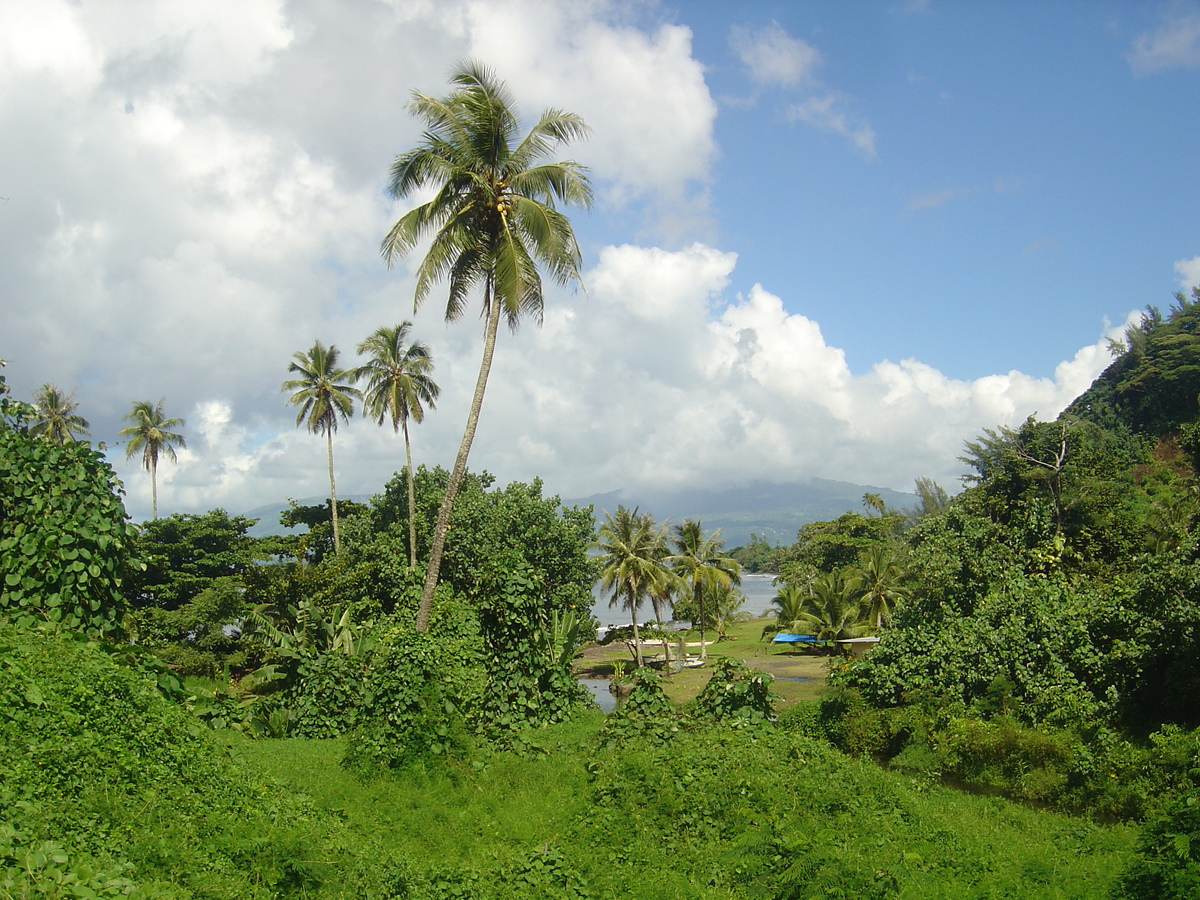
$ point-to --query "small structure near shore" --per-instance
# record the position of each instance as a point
(859, 646)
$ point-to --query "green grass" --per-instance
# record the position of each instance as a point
(713, 814)
(456, 813)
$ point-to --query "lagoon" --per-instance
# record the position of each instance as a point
(758, 590)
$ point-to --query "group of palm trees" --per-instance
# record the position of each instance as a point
(399, 387)
(643, 560)
(150, 432)
(492, 223)
(834, 606)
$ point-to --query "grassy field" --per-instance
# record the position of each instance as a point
(799, 674)
(714, 814)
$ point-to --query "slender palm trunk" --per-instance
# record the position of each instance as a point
(637, 639)
(412, 499)
(700, 608)
(460, 464)
(654, 601)
(337, 544)
(154, 487)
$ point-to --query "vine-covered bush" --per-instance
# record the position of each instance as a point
(416, 703)
(646, 717)
(108, 787)
(64, 534)
(530, 681)
(1168, 867)
(737, 695)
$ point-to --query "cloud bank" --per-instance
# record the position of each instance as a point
(194, 191)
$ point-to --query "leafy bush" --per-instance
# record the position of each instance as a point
(737, 695)
(416, 701)
(530, 681)
(64, 536)
(107, 785)
(646, 716)
(1168, 867)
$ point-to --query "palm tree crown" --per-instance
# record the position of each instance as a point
(399, 387)
(492, 221)
(56, 418)
(699, 560)
(151, 435)
(325, 395)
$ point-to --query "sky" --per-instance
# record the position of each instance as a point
(829, 240)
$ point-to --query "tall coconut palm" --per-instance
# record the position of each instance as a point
(876, 584)
(631, 565)
(399, 387)
(324, 394)
(55, 416)
(151, 435)
(493, 221)
(698, 559)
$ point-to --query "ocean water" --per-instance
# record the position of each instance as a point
(758, 590)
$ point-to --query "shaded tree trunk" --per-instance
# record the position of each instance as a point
(637, 639)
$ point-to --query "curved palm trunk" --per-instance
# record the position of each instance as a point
(460, 464)
(337, 544)
(412, 499)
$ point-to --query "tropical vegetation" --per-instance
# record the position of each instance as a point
(150, 433)
(399, 387)
(493, 221)
(325, 394)
(190, 711)
(56, 418)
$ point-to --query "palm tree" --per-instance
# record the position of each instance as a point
(789, 602)
(831, 611)
(663, 591)
(630, 563)
(492, 220)
(875, 582)
(399, 386)
(151, 434)
(55, 415)
(324, 394)
(699, 561)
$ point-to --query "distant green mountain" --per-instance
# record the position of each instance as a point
(774, 512)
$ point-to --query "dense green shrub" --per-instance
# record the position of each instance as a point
(736, 695)
(1168, 865)
(64, 536)
(417, 700)
(107, 784)
(530, 681)
(645, 717)
(325, 699)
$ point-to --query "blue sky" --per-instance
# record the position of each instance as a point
(830, 239)
(1028, 180)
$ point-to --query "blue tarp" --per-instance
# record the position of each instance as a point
(784, 638)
